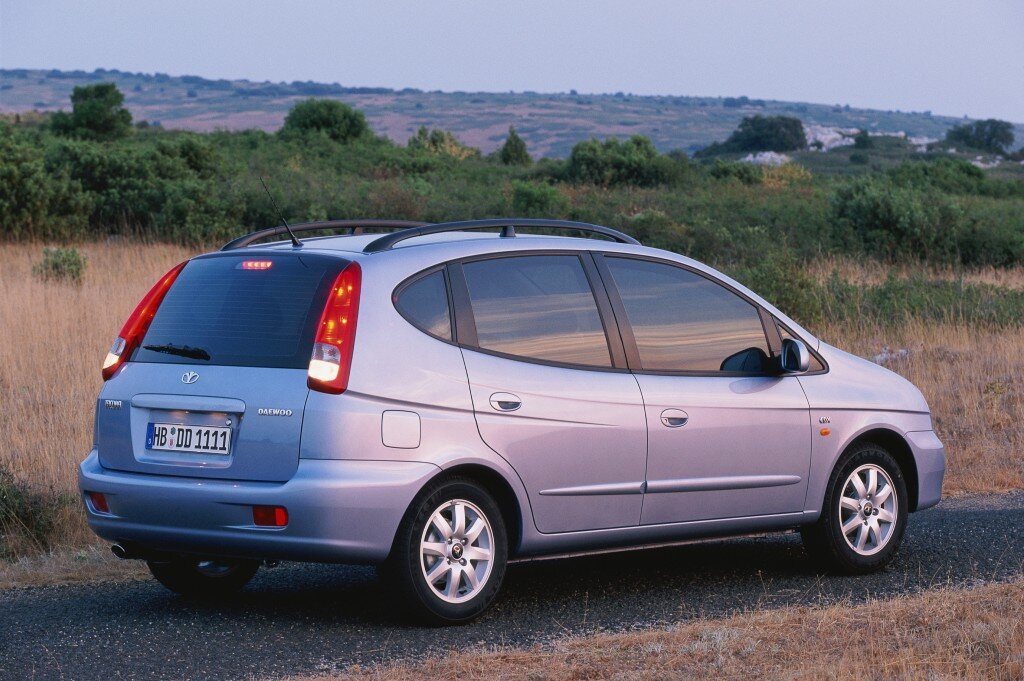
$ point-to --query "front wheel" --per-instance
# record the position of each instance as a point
(450, 553)
(204, 578)
(864, 514)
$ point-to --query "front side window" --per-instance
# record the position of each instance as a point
(538, 307)
(424, 303)
(685, 322)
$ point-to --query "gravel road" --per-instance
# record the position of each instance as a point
(309, 618)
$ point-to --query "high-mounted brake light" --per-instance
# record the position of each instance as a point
(256, 264)
(138, 323)
(330, 365)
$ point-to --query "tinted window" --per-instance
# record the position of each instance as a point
(425, 304)
(685, 322)
(537, 306)
(242, 317)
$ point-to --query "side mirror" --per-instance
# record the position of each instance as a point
(795, 357)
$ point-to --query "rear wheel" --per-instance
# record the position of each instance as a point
(450, 553)
(204, 578)
(864, 515)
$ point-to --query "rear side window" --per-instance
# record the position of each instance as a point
(685, 322)
(241, 311)
(424, 303)
(539, 307)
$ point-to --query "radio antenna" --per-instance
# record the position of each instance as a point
(295, 242)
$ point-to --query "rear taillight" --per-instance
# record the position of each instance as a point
(331, 362)
(138, 323)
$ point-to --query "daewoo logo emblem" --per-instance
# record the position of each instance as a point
(189, 377)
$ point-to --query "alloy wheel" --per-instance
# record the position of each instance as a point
(456, 550)
(867, 509)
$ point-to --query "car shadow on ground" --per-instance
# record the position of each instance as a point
(548, 589)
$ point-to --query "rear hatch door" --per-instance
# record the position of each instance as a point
(217, 387)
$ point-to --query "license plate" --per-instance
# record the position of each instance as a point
(175, 437)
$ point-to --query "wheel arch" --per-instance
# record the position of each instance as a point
(897, 445)
(495, 484)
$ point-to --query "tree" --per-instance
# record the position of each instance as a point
(990, 135)
(329, 117)
(96, 113)
(862, 140)
(762, 133)
(513, 152)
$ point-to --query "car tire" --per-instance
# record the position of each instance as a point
(856, 533)
(203, 578)
(449, 556)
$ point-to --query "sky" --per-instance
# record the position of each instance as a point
(951, 57)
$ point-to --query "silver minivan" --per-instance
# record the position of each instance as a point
(441, 399)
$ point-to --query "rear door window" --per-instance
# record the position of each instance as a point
(538, 307)
(424, 303)
(258, 311)
(683, 321)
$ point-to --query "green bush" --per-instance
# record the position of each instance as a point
(28, 515)
(328, 117)
(953, 176)
(862, 140)
(781, 279)
(860, 158)
(24, 186)
(530, 199)
(898, 223)
(60, 264)
(611, 162)
(747, 173)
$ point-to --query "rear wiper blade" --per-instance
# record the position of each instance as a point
(180, 350)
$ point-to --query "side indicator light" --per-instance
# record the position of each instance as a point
(99, 502)
(269, 516)
(825, 432)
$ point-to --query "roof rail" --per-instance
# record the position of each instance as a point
(507, 225)
(352, 225)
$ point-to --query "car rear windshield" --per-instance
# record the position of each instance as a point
(252, 310)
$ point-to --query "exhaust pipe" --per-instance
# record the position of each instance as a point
(121, 552)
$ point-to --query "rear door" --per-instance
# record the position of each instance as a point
(218, 385)
(728, 436)
(550, 393)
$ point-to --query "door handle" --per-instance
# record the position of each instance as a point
(505, 402)
(674, 418)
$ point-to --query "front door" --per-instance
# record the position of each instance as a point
(728, 436)
(546, 394)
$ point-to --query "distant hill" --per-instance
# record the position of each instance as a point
(550, 123)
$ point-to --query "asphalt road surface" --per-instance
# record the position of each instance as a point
(307, 618)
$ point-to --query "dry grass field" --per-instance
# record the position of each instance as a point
(54, 336)
(943, 634)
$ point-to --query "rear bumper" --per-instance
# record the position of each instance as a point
(930, 456)
(339, 511)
